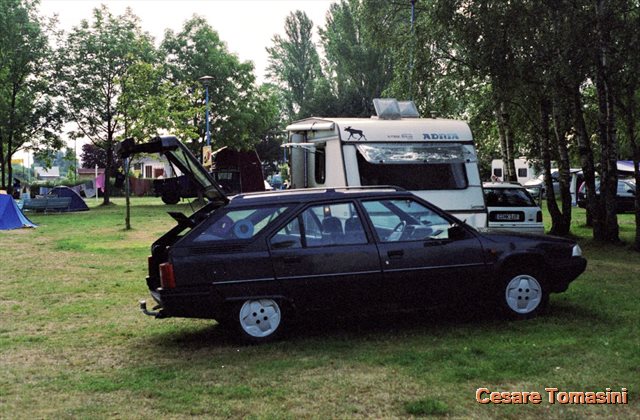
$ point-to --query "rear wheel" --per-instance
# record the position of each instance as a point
(523, 294)
(258, 320)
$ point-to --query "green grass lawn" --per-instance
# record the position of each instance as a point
(74, 344)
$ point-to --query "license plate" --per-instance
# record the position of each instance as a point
(508, 217)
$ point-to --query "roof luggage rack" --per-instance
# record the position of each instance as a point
(323, 189)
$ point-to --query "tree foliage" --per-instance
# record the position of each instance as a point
(241, 113)
(30, 115)
(294, 64)
(92, 60)
(357, 70)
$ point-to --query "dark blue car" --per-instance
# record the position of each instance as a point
(257, 260)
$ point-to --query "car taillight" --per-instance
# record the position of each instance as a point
(167, 279)
(539, 216)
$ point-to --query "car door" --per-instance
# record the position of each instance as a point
(421, 264)
(225, 252)
(324, 258)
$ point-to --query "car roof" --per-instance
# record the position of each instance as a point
(316, 194)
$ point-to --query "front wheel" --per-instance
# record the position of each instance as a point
(523, 295)
(258, 320)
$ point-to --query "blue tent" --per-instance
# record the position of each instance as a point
(10, 215)
(77, 203)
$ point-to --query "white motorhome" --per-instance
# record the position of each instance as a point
(434, 158)
(525, 170)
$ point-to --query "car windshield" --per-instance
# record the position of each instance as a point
(508, 197)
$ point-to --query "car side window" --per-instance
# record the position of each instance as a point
(332, 224)
(289, 236)
(405, 220)
(239, 224)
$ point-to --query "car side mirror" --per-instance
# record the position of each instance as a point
(457, 232)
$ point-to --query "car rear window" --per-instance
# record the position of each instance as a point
(240, 224)
(508, 197)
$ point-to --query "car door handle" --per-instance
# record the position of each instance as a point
(291, 260)
(396, 254)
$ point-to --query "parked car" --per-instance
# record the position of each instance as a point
(511, 207)
(537, 188)
(257, 260)
(625, 195)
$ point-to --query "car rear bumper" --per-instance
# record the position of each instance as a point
(566, 273)
(189, 303)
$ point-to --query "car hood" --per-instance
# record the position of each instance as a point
(182, 158)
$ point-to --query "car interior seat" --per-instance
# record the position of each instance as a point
(353, 231)
(332, 230)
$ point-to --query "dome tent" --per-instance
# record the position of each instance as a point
(77, 203)
(11, 217)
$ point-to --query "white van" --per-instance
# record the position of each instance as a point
(525, 170)
(435, 158)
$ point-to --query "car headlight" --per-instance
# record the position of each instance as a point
(577, 251)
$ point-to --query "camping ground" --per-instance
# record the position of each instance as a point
(74, 344)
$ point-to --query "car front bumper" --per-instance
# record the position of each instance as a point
(563, 274)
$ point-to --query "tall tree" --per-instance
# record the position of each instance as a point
(358, 69)
(240, 112)
(628, 98)
(29, 113)
(94, 56)
(294, 64)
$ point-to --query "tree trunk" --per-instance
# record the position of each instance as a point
(563, 226)
(2, 160)
(631, 131)
(127, 217)
(107, 171)
(545, 149)
(586, 162)
(508, 164)
(606, 128)
(629, 114)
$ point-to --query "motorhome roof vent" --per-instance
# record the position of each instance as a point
(387, 108)
(391, 109)
(408, 109)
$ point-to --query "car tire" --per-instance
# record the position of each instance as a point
(258, 320)
(523, 294)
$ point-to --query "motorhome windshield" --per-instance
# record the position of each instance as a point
(413, 166)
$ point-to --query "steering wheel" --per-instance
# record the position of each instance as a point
(396, 234)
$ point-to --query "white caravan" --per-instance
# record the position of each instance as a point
(525, 170)
(434, 158)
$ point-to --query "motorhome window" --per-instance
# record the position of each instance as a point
(239, 224)
(320, 166)
(497, 172)
(522, 172)
(415, 153)
(414, 176)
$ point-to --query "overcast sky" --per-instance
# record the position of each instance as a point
(246, 26)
